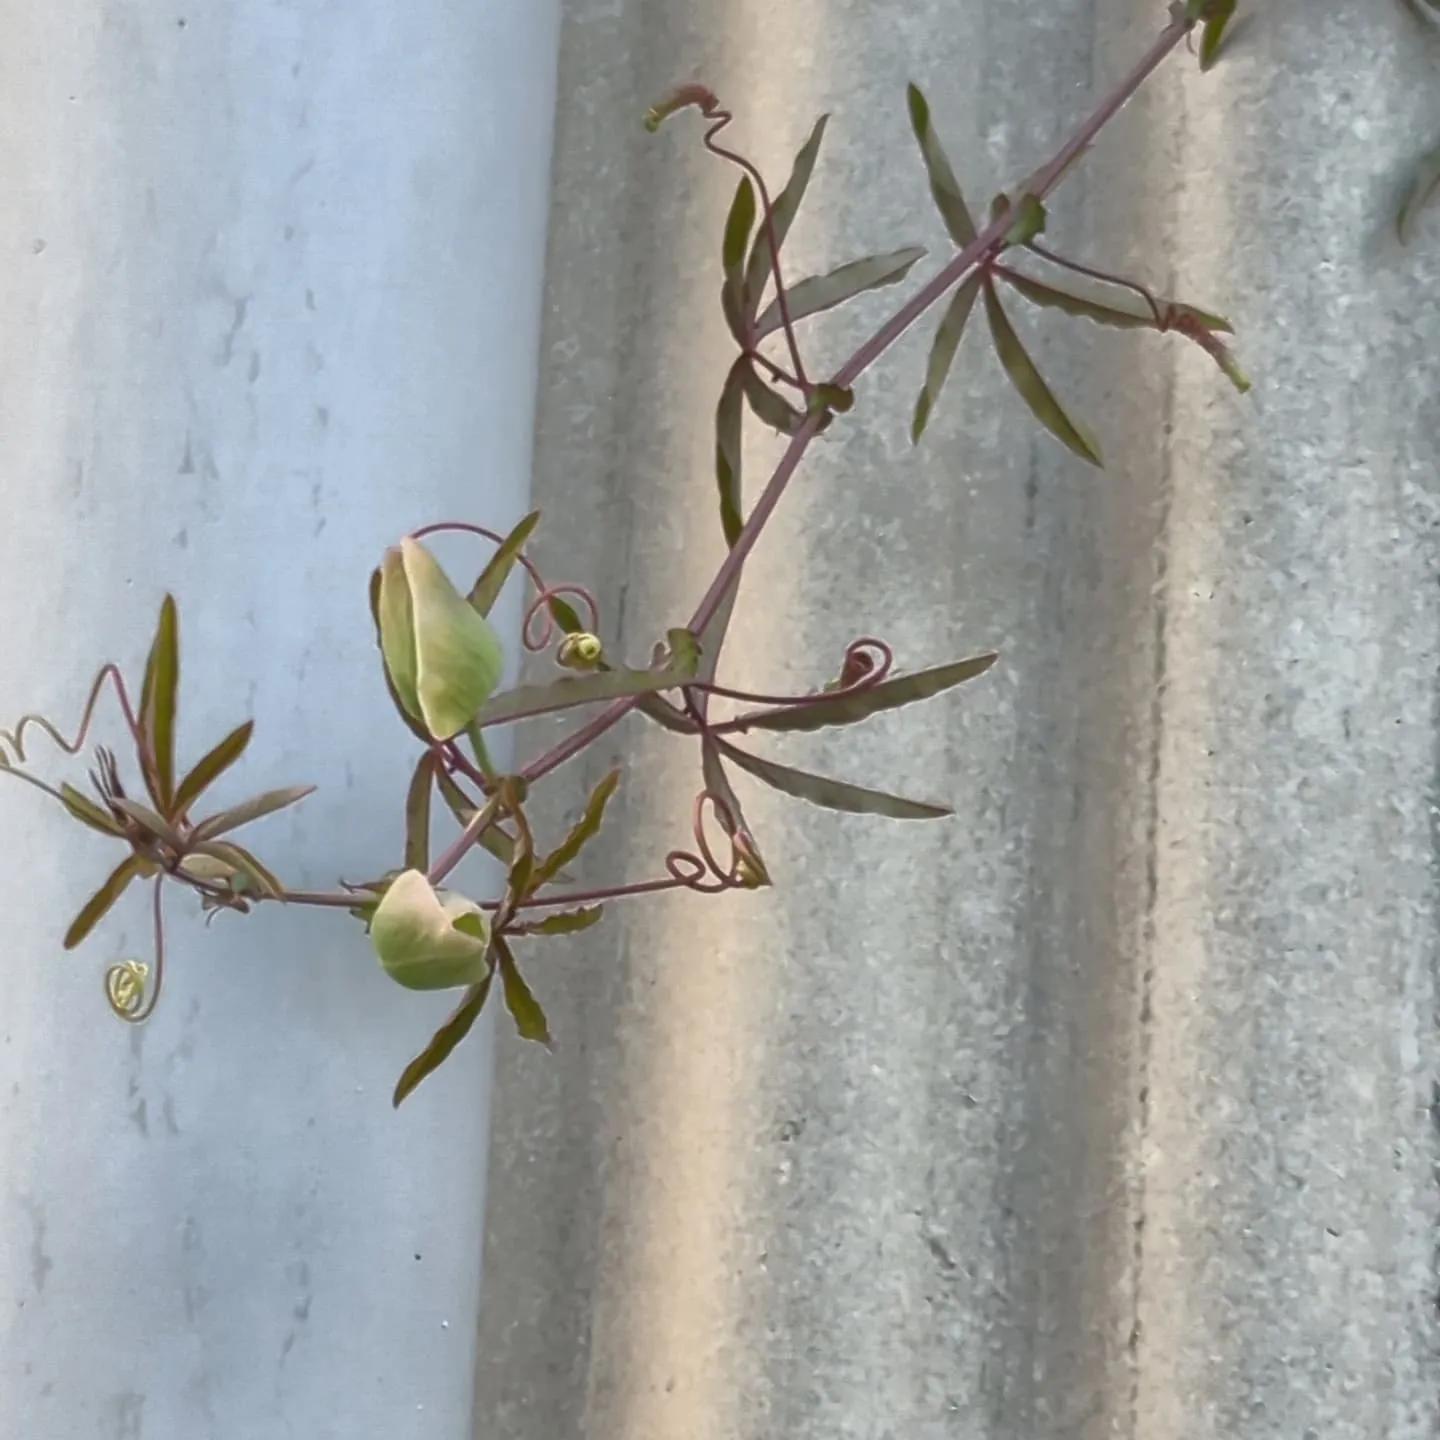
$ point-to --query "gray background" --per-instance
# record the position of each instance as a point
(1105, 1108)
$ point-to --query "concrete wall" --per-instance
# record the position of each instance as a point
(270, 297)
(1104, 1109)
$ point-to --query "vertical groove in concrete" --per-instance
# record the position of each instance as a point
(1101, 1110)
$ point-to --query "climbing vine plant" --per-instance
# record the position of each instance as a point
(441, 660)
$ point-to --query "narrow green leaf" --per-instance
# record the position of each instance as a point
(150, 821)
(738, 225)
(157, 706)
(824, 292)
(1031, 384)
(580, 833)
(942, 353)
(259, 879)
(528, 700)
(87, 812)
(564, 922)
(943, 185)
(887, 695)
(521, 880)
(252, 809)
(1217, 17)
(445, 1039)
(786, 206)
(524, 1008)
(833, 794)
(211, 766)
(1127, 315)
(1424, 186)
(773, 409)
(1037, 292)
(412, 725)
(486, 590)
(417, 813)
(729, 417)
(566, 616)
(98, 905)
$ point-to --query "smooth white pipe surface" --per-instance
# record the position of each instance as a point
(270, 298)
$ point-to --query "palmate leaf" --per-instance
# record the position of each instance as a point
(524, 1008)
(157, 707)
(887, 695)
(486, 589)
(442, 1044)
(942, 353)
(1424, 186)
(833, 794)
(823, 292)
(98, 905)
(783, 211)
(1032, 386)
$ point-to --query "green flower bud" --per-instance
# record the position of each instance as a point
(443, 656)
(430, 939)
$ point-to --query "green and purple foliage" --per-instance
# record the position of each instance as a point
(440, 660)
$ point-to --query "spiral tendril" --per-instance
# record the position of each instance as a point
(703, 872)
(126, 981)
(539, 608)
(867, 662)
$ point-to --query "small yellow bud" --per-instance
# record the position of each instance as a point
(580, 651)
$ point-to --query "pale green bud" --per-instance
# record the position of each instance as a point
(443, 656)
(429, 939)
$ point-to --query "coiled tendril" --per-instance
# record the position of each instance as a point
(703, 872)
(126, 981)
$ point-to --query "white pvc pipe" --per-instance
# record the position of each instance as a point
(271, 296)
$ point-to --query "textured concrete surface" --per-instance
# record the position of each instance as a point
(270, 288)
(1104, 1109)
